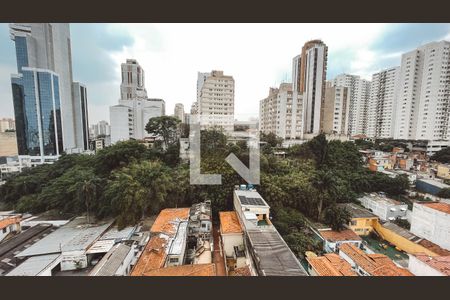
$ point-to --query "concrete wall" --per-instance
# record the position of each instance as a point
(231, 240)
(401, 242)
(420, 268)
(431, 224)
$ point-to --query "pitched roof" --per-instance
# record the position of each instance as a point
(434, 248)
(8, 221)
(374, 264)
(243, 271)
(229, 222)
(340, 264)
(440, 206)
(153, 256)
(164, 223)
(331, 265)
(185, 270)
(439, 263)
(343, 235)
(357, 211)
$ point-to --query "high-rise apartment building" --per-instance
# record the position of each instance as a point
(7, 124)
(382, 103)
(131, 115)
(179, 112)
(216, 100)
(280, 111)
(336, 108)
(101, 128)
(423, 99)
(81, 116)
(46, 112)
(359, 91)
(309, 75)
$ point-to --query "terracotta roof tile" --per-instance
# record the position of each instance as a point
(229, 222)
(153, 256)
(340, 264)
(322, 266)
(434, 248)
(343, 235)
(440, 206)
(165, 219)
(8, 221)
(185, 270)
(439, 263)
(244, 271)
(374, 264)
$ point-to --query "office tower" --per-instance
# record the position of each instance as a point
(44, 106)
(81, 115)
(423, 97)
(309, 75)
(280, 114)
(359, 91)
(216, 100)
(7, 124)
(336, 109)
(135, 109)
(201, 78)
(381, 110)
(179, 112)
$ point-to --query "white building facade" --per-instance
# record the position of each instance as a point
(281, 113)
(423, 95)
(131, 115)
(381, 108)
(359, 91)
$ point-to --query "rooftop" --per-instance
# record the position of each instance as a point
(229, 222)
(153, 257)
(440, 206)
(434, 248)
(435, 183)
(112, 260)
(343, 235)
(274, 256)
(374, 264)
(185, 270)
(380, 198)
(250, 198)
(169, 217)
(357, 211)
(331, 265)
(33, 266)
(439, 263)
(9, 220)
(76, 235)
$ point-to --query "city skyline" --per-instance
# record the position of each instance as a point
(256, 64)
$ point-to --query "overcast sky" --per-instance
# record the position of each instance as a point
(258, 56)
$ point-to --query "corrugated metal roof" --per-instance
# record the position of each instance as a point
(273, 255)
(112, 260)
(74, 236)
(33, 266)
(119, 235)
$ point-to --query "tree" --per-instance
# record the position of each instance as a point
(118, 155)
(137, 190)
(444, 193)
(165, 127)
(337, 217)
(442, 156)
(271, 139)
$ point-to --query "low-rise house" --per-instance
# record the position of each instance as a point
(167, 244)
(9, 223)
(443, 171)
(385, 208)
(232, 240)
(333, 240)
(362, 221)
(330, 264)
(424, 265)
(370, 264)
(431, 221)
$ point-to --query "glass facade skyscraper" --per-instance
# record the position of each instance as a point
(49, 108)
(37, 108)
